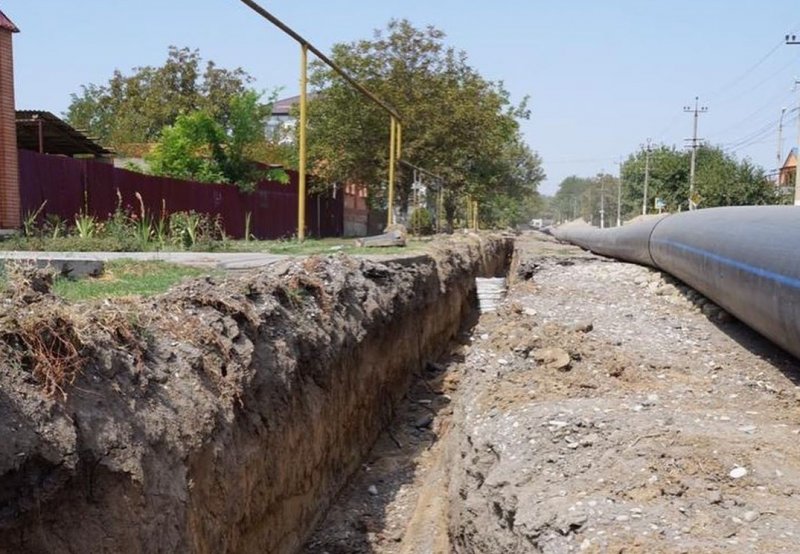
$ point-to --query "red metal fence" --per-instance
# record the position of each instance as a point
(71, 185)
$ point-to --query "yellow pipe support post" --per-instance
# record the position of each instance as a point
(399, 139)
(392, 154)
(301, 188)
(439, 208)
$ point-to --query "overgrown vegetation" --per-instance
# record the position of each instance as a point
(126, 230)
(140, 230)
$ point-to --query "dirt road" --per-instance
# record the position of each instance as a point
(603, 408)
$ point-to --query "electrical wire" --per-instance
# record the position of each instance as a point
(777, 99)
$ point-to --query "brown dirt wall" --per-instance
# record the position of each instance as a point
(224, 415)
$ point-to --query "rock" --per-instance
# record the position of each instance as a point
(424, 422)
(724, 317)
(433, 367)
(556, 358)
(393, 237)
(652, 400)
(572, 521)
(715, 497)
(665, 290)
(373, 490)
(530, 312)
(738, 473)
(750, 516)
(582, 327)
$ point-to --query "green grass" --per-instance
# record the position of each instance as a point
(126, 278)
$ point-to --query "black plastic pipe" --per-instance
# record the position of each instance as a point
(745, 259)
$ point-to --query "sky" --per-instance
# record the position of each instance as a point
(602, 76)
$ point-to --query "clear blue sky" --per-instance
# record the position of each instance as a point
(602, 75)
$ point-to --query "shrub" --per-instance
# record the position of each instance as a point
(421, 222)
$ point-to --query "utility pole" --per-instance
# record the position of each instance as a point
(797, 155)
(695, 144)
(780, 141)
(619, 195)
(647, 151)
(792, 39)
(602, 204)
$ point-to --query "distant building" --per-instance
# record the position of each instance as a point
(281, 129)
(280, 125)
(10, 206)
(786, 178)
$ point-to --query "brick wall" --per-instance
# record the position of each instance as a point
(9, 172)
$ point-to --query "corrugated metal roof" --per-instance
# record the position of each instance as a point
(57, 136)
(6, 23)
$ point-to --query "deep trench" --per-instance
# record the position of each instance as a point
(370, 514)
(254, 403)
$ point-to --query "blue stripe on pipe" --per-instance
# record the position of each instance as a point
(754, 270)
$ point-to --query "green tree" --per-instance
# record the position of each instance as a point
(135, 108)
(200, 148)
(582, 197)
(455, 123)
(567, 203)
(720, 180)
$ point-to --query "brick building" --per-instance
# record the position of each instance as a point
(9, 173)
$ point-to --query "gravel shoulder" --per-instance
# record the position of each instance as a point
(672, 428)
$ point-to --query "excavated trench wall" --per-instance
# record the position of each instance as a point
(237, 414)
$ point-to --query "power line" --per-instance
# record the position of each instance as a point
(731, 84)
(779, 98)
(723, 90)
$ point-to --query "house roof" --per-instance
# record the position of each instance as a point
(6, 24)
(284, 105)
(57, 136)
(791, 159)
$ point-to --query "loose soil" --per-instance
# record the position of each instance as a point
(604, 408)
